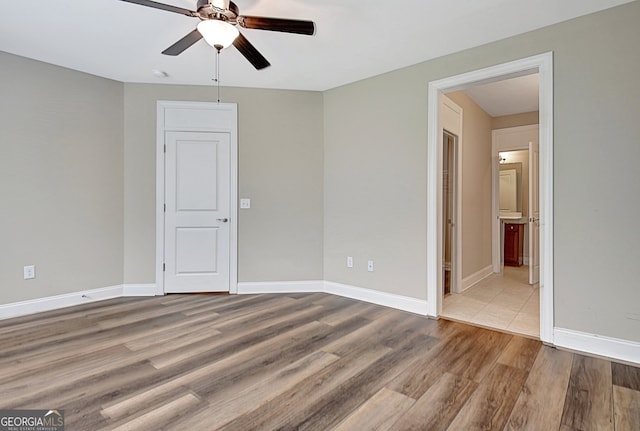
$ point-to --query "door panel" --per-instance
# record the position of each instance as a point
(196, 187)
(197, 196)
(196, 250)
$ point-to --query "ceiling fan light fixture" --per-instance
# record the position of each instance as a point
(216, 32)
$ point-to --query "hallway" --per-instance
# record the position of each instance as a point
(504, 302)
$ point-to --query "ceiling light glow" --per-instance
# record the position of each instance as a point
(218, 34)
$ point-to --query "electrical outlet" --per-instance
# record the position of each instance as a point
(370, 266)
(29, 272)
(245, 203)
(349, 262)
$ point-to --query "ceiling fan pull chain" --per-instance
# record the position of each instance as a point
(218, 72)
(217, 78)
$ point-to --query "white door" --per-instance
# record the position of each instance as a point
(197, 197)
(534, 213)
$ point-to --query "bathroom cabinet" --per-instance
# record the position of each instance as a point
(513, 242)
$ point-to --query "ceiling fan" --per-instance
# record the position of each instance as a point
(218, 22)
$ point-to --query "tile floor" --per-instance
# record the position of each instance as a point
(506, 302)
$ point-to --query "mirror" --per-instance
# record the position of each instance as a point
(513, 185)
(509, 190)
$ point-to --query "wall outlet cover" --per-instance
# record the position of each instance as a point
(29, 272)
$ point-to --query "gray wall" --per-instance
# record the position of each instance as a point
(61, 166)
(375, 183)
(515, 120)
(280, 168)
(78, 180)
(375, 168)
(476, 185)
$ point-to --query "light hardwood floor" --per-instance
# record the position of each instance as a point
(298, 362)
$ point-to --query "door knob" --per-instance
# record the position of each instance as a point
(223, 220)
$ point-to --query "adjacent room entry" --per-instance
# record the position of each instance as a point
(198, 194)
(542, 220)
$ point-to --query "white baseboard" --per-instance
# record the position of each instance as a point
(246, 288)
(148, 289)
(49, 303)
(399, 302)
(476, 277)
(404, 303)
(614, 348)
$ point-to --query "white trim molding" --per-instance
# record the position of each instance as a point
(399, 302)
(49, 303)
(614, 348)
(250, 288)
(404, 303)
(148, 289)
(476, 277)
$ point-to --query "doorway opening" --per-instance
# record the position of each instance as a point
(515, 154)
(498, 295)
(541, 64)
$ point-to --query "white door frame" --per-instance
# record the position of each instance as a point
(543, 64)
(534, 213)
(196, 117)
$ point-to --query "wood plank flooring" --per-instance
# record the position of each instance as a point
(298, 362)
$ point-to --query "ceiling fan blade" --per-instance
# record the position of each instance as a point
(278, 24)
(162, 6)
(250, 52)
(183, 43)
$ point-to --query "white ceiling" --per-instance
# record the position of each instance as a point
(509, 96)
(355, 39)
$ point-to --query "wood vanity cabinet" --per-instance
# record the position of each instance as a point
(513, 241)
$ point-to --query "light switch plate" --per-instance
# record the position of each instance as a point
(245, 203)
(29, 272)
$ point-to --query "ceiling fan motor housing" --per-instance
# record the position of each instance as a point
(223, 10)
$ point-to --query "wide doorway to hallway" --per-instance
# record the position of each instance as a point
(504, 301)
(479, 272)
